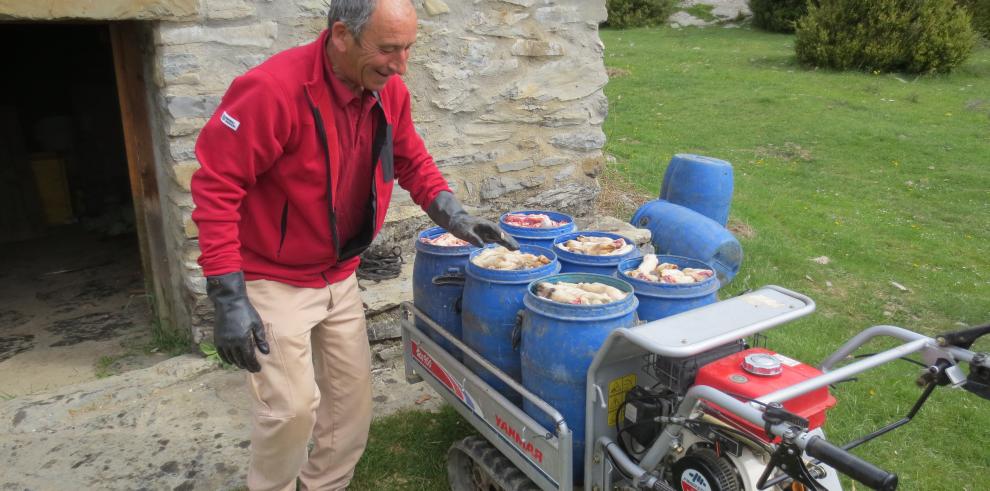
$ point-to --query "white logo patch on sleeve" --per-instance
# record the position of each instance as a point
(229, 121)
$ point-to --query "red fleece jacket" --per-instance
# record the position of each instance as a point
(266, 155)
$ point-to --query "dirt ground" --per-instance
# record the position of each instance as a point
(85, 403)
(72, 309)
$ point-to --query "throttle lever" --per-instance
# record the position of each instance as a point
(963, 338)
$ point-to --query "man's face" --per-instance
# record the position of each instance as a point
(381, 51)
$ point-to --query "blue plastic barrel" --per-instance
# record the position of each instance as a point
(571, 262)
(678, 231)
(438, 283)
(493, 304)
(659, 300)
(559, 341)
(703, 184)
(542, 237)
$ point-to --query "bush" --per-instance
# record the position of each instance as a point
(914, 36)
(777, 15)
(980, 10)
(638, 13)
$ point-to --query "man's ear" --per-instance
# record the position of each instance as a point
(340, 36)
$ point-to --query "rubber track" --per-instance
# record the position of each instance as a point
(499, 469)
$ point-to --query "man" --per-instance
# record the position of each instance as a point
(296, 173)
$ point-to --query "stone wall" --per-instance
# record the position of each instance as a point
(507, 95)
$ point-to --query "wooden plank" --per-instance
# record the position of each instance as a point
(132, 89)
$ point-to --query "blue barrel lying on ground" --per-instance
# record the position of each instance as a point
(659, 300)
(438, 283)
(542, 237)
(493, 304)
(699, 183)
(679, 231)
(559, 341)
(572, 262)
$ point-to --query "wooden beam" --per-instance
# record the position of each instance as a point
(132, 90)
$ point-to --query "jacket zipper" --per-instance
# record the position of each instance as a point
(322, 134)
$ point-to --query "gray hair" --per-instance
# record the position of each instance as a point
(353, 13)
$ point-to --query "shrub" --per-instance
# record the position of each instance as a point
(777, 15)
(638, 13)
(914, 36)
(980, 10)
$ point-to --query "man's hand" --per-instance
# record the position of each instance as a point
(238, 327)
(448, 213)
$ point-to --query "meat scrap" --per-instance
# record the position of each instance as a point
(534, 220)
(652, 270)
(504, 259)
(579, 293)
(445, 239)
(597, 246)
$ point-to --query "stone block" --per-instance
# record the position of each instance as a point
(435, 7)
(185, 126)
(189, 228)
(500, 24)
(182, 149)
(201, 106)
(566, 174)
(175, 66)
(514, 166)
(482, 133)
(533, 48)
(316, 8)
(554, 17)
(554, 161)
(101, 10)
(493, 187)
(182, 173)
(592, 139)
(228, 9)
(565, 79)
(572, 196)
(258, 35)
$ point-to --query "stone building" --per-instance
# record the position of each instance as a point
(506, 93)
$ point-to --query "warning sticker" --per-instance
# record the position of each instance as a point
(617, 390)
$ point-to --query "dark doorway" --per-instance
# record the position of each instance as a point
(72, 293)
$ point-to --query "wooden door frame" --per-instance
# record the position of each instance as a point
(127, 39)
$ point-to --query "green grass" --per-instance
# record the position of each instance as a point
(887, 175)
(409, 451)
(702, 11)
(104, 366)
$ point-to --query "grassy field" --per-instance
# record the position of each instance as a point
(887, 175)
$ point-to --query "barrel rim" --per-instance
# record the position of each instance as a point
(506, 276)
(539, 233)
(559, 310)
(668, 290)
(440, 250)
(576, 258)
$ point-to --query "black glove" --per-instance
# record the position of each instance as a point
(238, 326)
(446, 212)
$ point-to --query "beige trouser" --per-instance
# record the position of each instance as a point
(315, 382)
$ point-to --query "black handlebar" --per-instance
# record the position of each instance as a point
(851, 465)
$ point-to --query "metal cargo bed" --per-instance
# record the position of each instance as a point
(543, 454)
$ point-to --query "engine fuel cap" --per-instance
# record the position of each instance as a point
(762, 364)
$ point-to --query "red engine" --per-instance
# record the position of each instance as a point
(757, 372)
